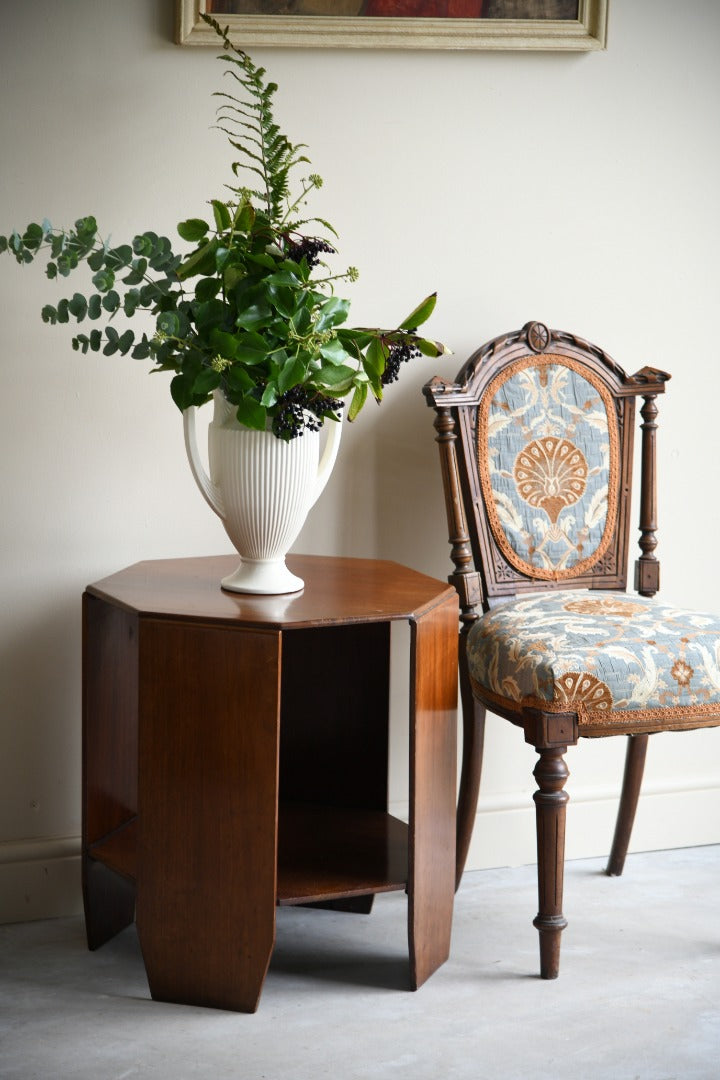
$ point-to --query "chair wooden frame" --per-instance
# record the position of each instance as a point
(483, 577)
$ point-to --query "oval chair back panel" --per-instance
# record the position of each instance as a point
(545, 441)
(548, 461)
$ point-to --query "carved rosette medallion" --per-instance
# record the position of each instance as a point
(538, 337)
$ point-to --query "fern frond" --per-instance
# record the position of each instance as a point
(249, 122)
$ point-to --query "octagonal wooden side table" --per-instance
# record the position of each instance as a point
(235, 757)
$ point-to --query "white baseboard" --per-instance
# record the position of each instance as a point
(677, 814)
(668, 816)
(40, 879)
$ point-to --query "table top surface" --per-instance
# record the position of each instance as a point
(337, 591)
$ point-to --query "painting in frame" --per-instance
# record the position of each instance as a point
(578, 25)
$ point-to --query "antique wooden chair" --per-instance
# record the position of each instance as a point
(536, 440)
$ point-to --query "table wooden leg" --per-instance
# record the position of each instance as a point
(208, 766)
(109, 790)
(433, 766)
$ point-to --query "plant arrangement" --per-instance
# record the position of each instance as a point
(251, 310)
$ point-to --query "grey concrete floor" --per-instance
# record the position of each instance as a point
(638, 996)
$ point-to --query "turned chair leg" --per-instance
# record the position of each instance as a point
(551, 774)
(632, 781)
(472, 756)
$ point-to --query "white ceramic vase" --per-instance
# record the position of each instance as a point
(262, 489)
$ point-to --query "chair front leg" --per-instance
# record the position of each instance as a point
(551, 774)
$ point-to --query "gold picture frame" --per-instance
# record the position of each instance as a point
(587, 32)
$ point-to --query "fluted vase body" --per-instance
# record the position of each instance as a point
(262, 488)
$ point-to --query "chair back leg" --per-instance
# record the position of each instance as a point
(632, 782)
(473, 717)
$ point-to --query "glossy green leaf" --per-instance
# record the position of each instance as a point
(244, 217)
(254, 317)
(335, 377)
(193, 229)
(333, 312)
(358, 400)
(334, 352)
(421, 313)
(291, 374)
(237, 378)
(201, 261)
(207, 289)
(181, 391)
(223, 221)
(252, 414)
(223, 343)
(376, 357)
(207, 381)
(431, 348)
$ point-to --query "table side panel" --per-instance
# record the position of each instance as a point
(109, 759)
(433, 767)
(208, 768)
(110, 718)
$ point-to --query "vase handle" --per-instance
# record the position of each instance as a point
(327, 460)
(209, 490)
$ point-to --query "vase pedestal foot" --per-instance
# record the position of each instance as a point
(269, 577)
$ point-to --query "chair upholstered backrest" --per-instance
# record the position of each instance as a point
(537, 441)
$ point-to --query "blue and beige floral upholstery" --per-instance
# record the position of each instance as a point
(622, 663)
(549, 466)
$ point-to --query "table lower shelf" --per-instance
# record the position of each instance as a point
(324, 853)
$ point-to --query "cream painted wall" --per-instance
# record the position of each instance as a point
(579, 190)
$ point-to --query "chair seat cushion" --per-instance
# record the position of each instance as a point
(621, 662)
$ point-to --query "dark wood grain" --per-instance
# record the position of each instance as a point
(337, 591)
(632, 782)
(209, 729)
(647, 567)
(109, 759)
(347, 853)
(551, 774)
(433, 727)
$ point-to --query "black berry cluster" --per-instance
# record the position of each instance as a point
(310, 248)
(300, 410)
(400, 353)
